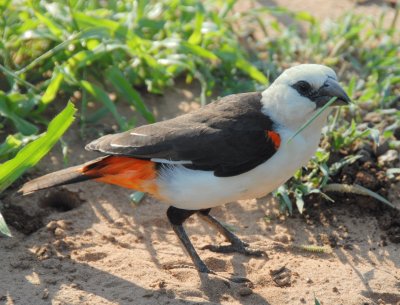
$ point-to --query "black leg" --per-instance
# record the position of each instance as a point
(176, 217)
(237, 245)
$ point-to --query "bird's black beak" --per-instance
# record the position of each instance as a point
(330, 89)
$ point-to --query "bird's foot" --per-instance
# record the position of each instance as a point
(229, 279)
(204, 270)
(235, 279)
(239, 247)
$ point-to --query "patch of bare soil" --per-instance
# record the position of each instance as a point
(88, 244)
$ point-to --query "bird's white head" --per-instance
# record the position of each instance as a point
(301, 90)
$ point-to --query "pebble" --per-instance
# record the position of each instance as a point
(245, 291)
(281, 276)
(45, 294)
(76, 286)
(63, 224)
(52, 225)
(277, 271)
(51, 263)
(282, 238)
(58, 232)
(389, 157)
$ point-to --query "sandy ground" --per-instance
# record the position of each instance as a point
(88, 244)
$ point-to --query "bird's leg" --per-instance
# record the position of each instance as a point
(176, 217)
(237, 245)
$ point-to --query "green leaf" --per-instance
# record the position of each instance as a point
(36, 150)
(254, 73)
(102, 96)
(53, 87)
(374, 133)
(299, 200)
(3, 227)
(21, 124)
(10, 145)
(117, 78)
(195, 38)
(283, 194)
(335, 167)
(305, 16)
(54, 28)
(199, 51)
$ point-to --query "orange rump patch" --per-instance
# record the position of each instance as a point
(275, 138)
(127, 172)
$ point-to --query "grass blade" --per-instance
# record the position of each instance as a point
(21, 124)
(356, 189)
(251, 70)
(195, 38)
(36, 150)
(317, 114)
(102, 96)
(17, 78)
(199, 51)
(282, 193)
(52, 89)
(115, 76)
(3, 227)
(54, 28)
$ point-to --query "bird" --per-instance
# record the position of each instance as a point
(238, 147)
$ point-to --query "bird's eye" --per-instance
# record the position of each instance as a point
(303, 87)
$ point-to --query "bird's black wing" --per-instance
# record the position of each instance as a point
(229, 137)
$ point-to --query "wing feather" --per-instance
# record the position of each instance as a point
(229, 137)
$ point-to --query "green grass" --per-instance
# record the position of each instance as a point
(51, 50)
(33, 152)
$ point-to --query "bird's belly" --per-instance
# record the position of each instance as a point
(195, 189)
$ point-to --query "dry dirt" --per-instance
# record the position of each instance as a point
(88, 244)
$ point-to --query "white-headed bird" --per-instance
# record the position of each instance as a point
(234, 148)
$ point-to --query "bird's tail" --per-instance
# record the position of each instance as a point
(123, 171)
(65, 176)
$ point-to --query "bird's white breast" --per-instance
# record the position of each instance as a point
(195, 189)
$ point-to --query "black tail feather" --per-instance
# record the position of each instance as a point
(65, 176)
